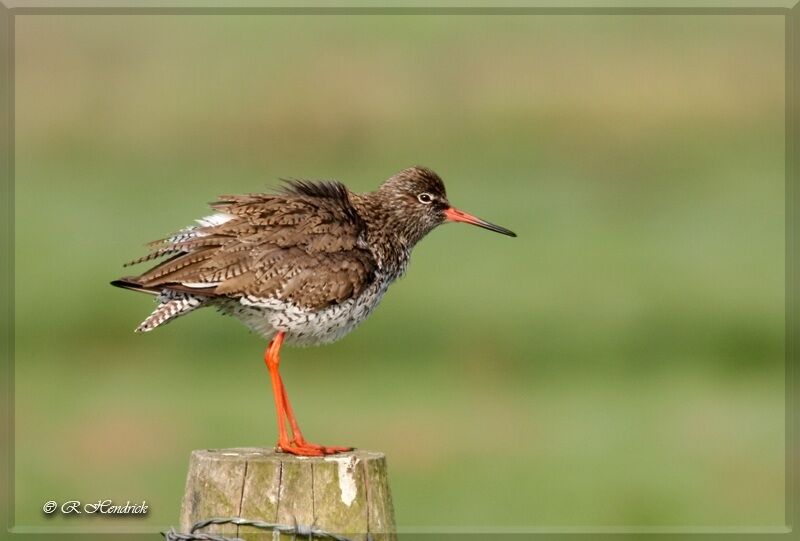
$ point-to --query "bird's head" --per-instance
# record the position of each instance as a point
(418, 199)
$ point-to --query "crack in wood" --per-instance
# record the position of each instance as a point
(313, 497)
(280, 488)
(367, 491)
(241, 496)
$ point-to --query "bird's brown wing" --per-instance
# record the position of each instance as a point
(299, 246)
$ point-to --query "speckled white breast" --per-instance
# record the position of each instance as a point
(305, 327)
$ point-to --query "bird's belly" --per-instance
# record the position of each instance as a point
(304, 327)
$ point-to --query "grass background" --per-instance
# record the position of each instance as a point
(620, 363)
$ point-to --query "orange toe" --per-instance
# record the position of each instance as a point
(324, 449)
(299, 450)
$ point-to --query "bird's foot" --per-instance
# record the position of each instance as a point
(326, 449)
(297, 450)
(304, 448)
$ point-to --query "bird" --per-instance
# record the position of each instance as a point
(302, 265)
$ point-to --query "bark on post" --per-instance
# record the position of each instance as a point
(346, 494)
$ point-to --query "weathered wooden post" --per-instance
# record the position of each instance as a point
(345, 494)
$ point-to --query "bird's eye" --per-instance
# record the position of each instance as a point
(425, 198)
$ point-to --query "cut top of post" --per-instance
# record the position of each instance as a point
(346, 494)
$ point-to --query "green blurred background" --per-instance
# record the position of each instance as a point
(620, 363)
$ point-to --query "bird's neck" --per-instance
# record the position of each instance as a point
(389, 236)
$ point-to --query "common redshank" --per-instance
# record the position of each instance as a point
(303, 266)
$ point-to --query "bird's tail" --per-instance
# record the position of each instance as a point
(171, 304)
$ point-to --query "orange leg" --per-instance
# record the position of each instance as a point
(297, 445)
(297, 435)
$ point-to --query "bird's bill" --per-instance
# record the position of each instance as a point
(455, 215)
